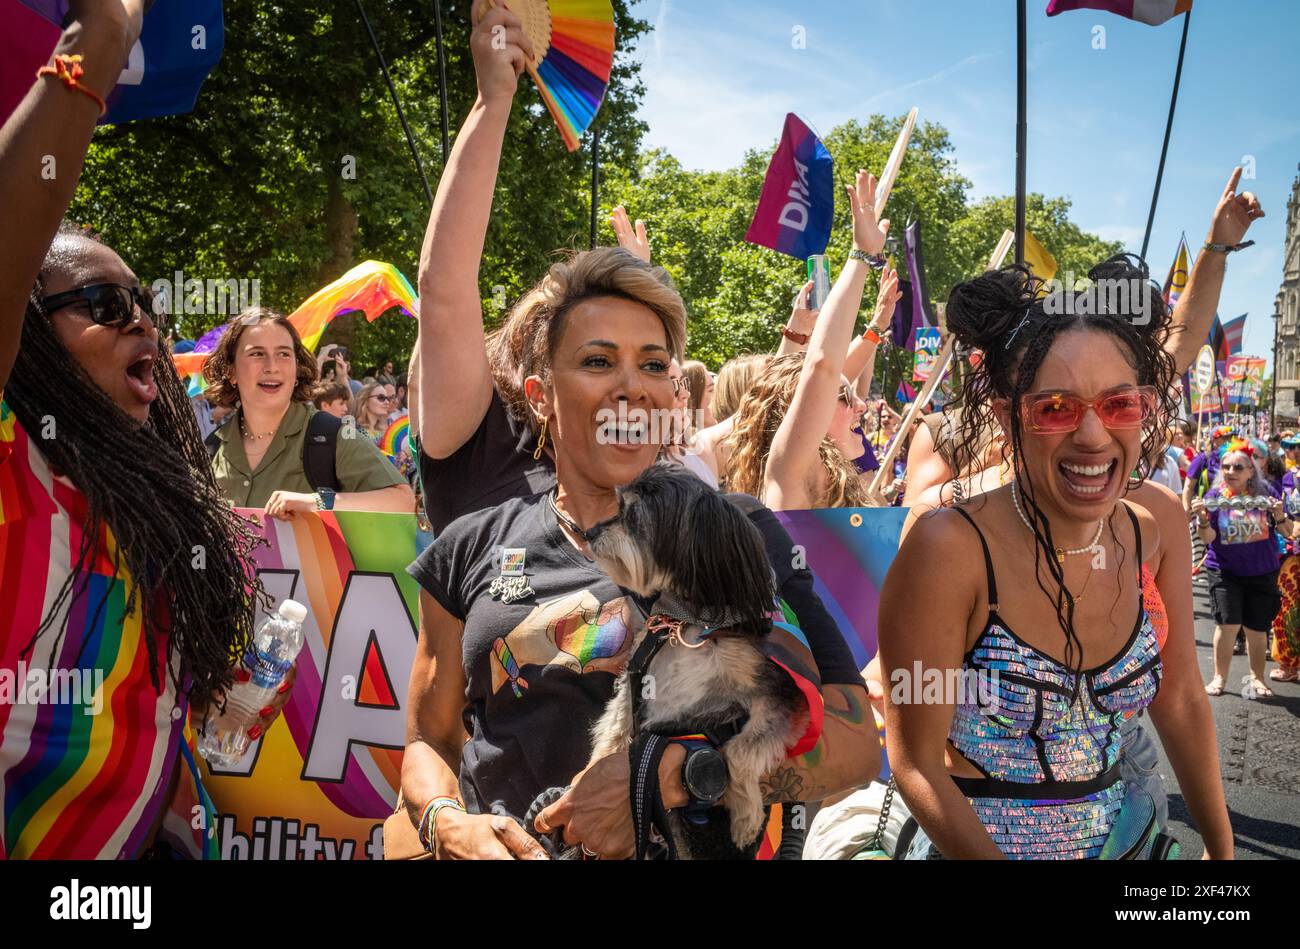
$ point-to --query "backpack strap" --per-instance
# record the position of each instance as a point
(213, 442)
(318, 450)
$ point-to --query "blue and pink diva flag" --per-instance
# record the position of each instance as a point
(1153, 12)
(180, 42)
(798, 200)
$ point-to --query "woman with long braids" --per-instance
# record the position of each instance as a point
(1024, 761)
(122, 568)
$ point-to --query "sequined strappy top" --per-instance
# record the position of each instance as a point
(1049, 757)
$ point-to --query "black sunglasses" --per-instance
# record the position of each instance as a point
(110, 304)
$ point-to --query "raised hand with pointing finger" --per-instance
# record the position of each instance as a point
(1234, 213)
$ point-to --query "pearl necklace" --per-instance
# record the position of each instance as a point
(1061, 554)
(249, 436)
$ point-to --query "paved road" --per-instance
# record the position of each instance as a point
(1259, 749)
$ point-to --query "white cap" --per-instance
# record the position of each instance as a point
(292, 610)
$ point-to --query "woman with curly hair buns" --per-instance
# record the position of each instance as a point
(1052, 636)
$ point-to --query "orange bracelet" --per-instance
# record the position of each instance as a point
(871, 336)
(67, 69)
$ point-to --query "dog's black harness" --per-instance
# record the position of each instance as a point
(648, 747)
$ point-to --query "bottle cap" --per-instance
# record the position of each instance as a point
(292, 610)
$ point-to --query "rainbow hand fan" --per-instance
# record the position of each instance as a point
(574, 43)
(397, 436)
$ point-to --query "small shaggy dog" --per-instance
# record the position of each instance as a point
(680, 543)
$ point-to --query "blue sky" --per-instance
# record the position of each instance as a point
(721, 74)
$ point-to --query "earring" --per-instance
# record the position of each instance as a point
(541, 441)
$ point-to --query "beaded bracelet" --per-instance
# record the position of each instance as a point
(67, 69)
(429, 818)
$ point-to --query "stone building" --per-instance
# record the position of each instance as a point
(1286, 308)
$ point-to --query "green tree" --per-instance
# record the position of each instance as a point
(1048, 219)
(256, 182)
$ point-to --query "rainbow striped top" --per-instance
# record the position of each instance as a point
(88, 748)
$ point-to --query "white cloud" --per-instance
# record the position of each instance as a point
(1126, 234)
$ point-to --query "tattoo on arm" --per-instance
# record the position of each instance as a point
(794, 780)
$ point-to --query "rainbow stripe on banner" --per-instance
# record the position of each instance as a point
(849, 551)
(334, 763)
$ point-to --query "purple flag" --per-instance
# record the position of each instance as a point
(921, 315)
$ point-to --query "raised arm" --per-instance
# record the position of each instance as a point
(456, 383)
(801, 323)
(1194, 314)
(43, 147)
(794, 447)
(860, 364)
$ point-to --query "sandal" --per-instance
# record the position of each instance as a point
(1284, 674)
(1215, 686)
(1251, 684)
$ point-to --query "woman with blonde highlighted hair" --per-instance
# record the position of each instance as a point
(525, 445)
(834, 481)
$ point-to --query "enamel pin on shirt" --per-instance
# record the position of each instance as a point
(513, 583)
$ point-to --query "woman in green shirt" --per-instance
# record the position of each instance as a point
(261, 368)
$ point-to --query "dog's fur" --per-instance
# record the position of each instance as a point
(680, 541)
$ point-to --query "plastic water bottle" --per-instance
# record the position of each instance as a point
(273, 650)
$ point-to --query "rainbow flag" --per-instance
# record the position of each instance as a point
(372, 287)
(1152, 12)
(396, 436)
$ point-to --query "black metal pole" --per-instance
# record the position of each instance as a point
(1021, 128)
(1169, 127)
(392, 91)
(442, 82)
(595, 182)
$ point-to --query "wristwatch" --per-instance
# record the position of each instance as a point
(875, 261)
(704, 776)
(324, 499)
(1228, 248)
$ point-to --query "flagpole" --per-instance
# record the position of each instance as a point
(1021, 128)
(397, 103)
(442, 81)
(1169, 127)
(595, 182)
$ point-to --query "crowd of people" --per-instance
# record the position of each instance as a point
(1059, 459)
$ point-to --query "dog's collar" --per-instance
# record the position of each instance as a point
(678, 610)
